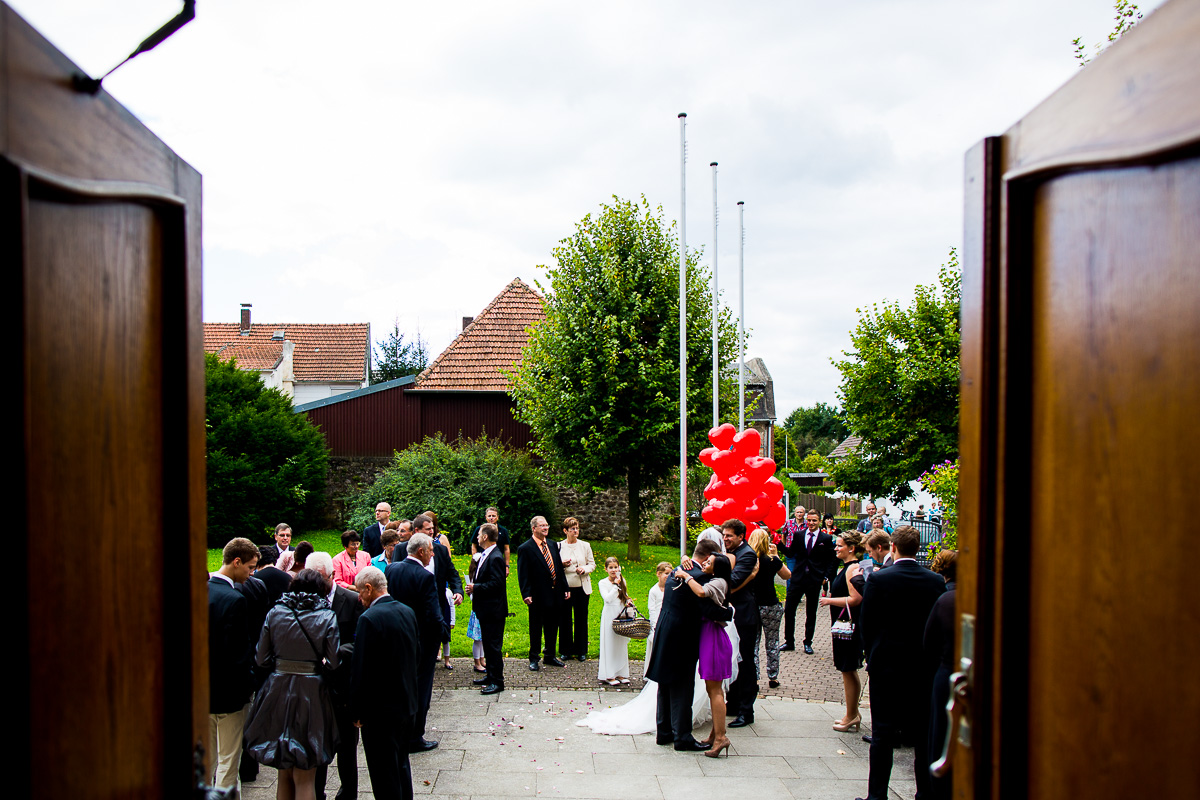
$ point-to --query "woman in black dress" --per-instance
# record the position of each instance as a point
(845, 596)
(290, 725)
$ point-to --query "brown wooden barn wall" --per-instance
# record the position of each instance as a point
(380, 423)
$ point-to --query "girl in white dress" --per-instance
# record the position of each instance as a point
(654, 605)
(614, 649)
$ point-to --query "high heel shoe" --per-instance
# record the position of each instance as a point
(848, 725)
(718, 746)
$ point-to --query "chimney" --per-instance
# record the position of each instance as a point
(245, 327)
(467, 321)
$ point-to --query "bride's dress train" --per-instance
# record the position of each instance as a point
(639, 715)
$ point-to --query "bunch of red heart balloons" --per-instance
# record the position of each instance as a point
(743, 485)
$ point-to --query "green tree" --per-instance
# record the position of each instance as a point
(819, 428)
(599, 378)
(458, 481)
(266, 464)
(900, 389)
(1126, 19)
(396, 358)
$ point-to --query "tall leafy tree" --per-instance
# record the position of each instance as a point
(599, 378)
(396, 358)
(818, 428)
(265, 463)
(900, 389)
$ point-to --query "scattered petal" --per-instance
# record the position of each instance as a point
(841, 752)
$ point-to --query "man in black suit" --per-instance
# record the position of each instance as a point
(544, 588)
(383, 685)
(676, 653)
(413, 585)
(895, 607)
(229, 660)
(489, 601)
(346, 609)
(445, 575)
(811, 560)
(743, 691)
(283, 540)
(371, 534)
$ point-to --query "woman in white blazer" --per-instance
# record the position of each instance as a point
(578, 561)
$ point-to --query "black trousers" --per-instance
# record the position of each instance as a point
(424, 689)
(899, 710)
(386, 748)
(347, 758)
(543, 620)
(491, 631)
(739, 699)
(812, 597)
(572, 628)
(673, 715)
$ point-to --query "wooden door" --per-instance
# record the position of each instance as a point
(1079, 441)
(101, 243)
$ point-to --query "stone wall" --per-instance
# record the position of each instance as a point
(348, 476)
(604, 515)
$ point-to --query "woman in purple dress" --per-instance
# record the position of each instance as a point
(716, 651)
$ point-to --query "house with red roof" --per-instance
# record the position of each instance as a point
(306, 361)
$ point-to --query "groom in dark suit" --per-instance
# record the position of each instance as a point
(676, 653)
(811, 560)
(489, 601)
(895, 607)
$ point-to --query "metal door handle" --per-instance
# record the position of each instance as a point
(956, 712)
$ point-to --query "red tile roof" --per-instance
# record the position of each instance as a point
(324, 353)
(253, 355)
(492, 342)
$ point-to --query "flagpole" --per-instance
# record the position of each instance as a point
(682, 336)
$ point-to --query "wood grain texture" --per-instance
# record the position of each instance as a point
(1115, 366)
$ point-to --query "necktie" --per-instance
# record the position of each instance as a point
(549, 562)
(811, 537)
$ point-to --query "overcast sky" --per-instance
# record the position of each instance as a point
(367, 161)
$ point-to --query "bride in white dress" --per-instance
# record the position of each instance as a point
(639, 714)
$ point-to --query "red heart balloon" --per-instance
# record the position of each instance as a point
(722, 436)
(775, 517)
(743, 489)
(712, 515)
(773, 489)
(706, 456)
(759, 469)
(747, 443)
(718, 489)
(757, 509)
(726, 463)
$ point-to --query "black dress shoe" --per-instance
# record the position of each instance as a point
(422, 746)
(774, 684)
(808, 649)
(691, 747)
(866, 738)
(534, 666)
(492, 688)
(581, 658)
(555, 662)
(741, 721)
(787, 647)
(480, 681)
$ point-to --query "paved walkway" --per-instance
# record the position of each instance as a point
(525, 743)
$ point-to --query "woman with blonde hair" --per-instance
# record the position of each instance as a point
(845, 597)
(769, 607)
(614, 648)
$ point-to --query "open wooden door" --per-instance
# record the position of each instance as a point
(101, 243)
(1080, 444)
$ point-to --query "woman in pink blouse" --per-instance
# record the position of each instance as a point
(347, 563)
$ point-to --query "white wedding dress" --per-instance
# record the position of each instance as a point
(640, 714)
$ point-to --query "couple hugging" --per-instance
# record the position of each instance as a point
(694, 654)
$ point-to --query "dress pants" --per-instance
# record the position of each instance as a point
(739, 699)
(491, 631)
(543, 620)
(899, 709)
(386, 748)
(424, 689)
(225, 747)
(572, 629)
(347, 758)
(673, 715)
(812, 597)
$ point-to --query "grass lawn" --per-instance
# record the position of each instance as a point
(639, 575)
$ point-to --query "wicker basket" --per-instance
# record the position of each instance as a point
(634, 627)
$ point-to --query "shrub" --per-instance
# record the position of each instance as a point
(458, 481)
(266, 464)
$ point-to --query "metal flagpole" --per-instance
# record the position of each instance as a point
(741, 317)
(715, 303)
(682, 336)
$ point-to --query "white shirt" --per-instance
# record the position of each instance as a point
(223, 577)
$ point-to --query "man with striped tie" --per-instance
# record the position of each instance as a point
(543, 584)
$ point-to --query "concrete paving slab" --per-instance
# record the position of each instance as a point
(783, 746)
(499, 784)
(485, 761)
(812, 767)
(823, 790)
(607, 787)
(761, 766)
(666, 764)
(707, 788)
